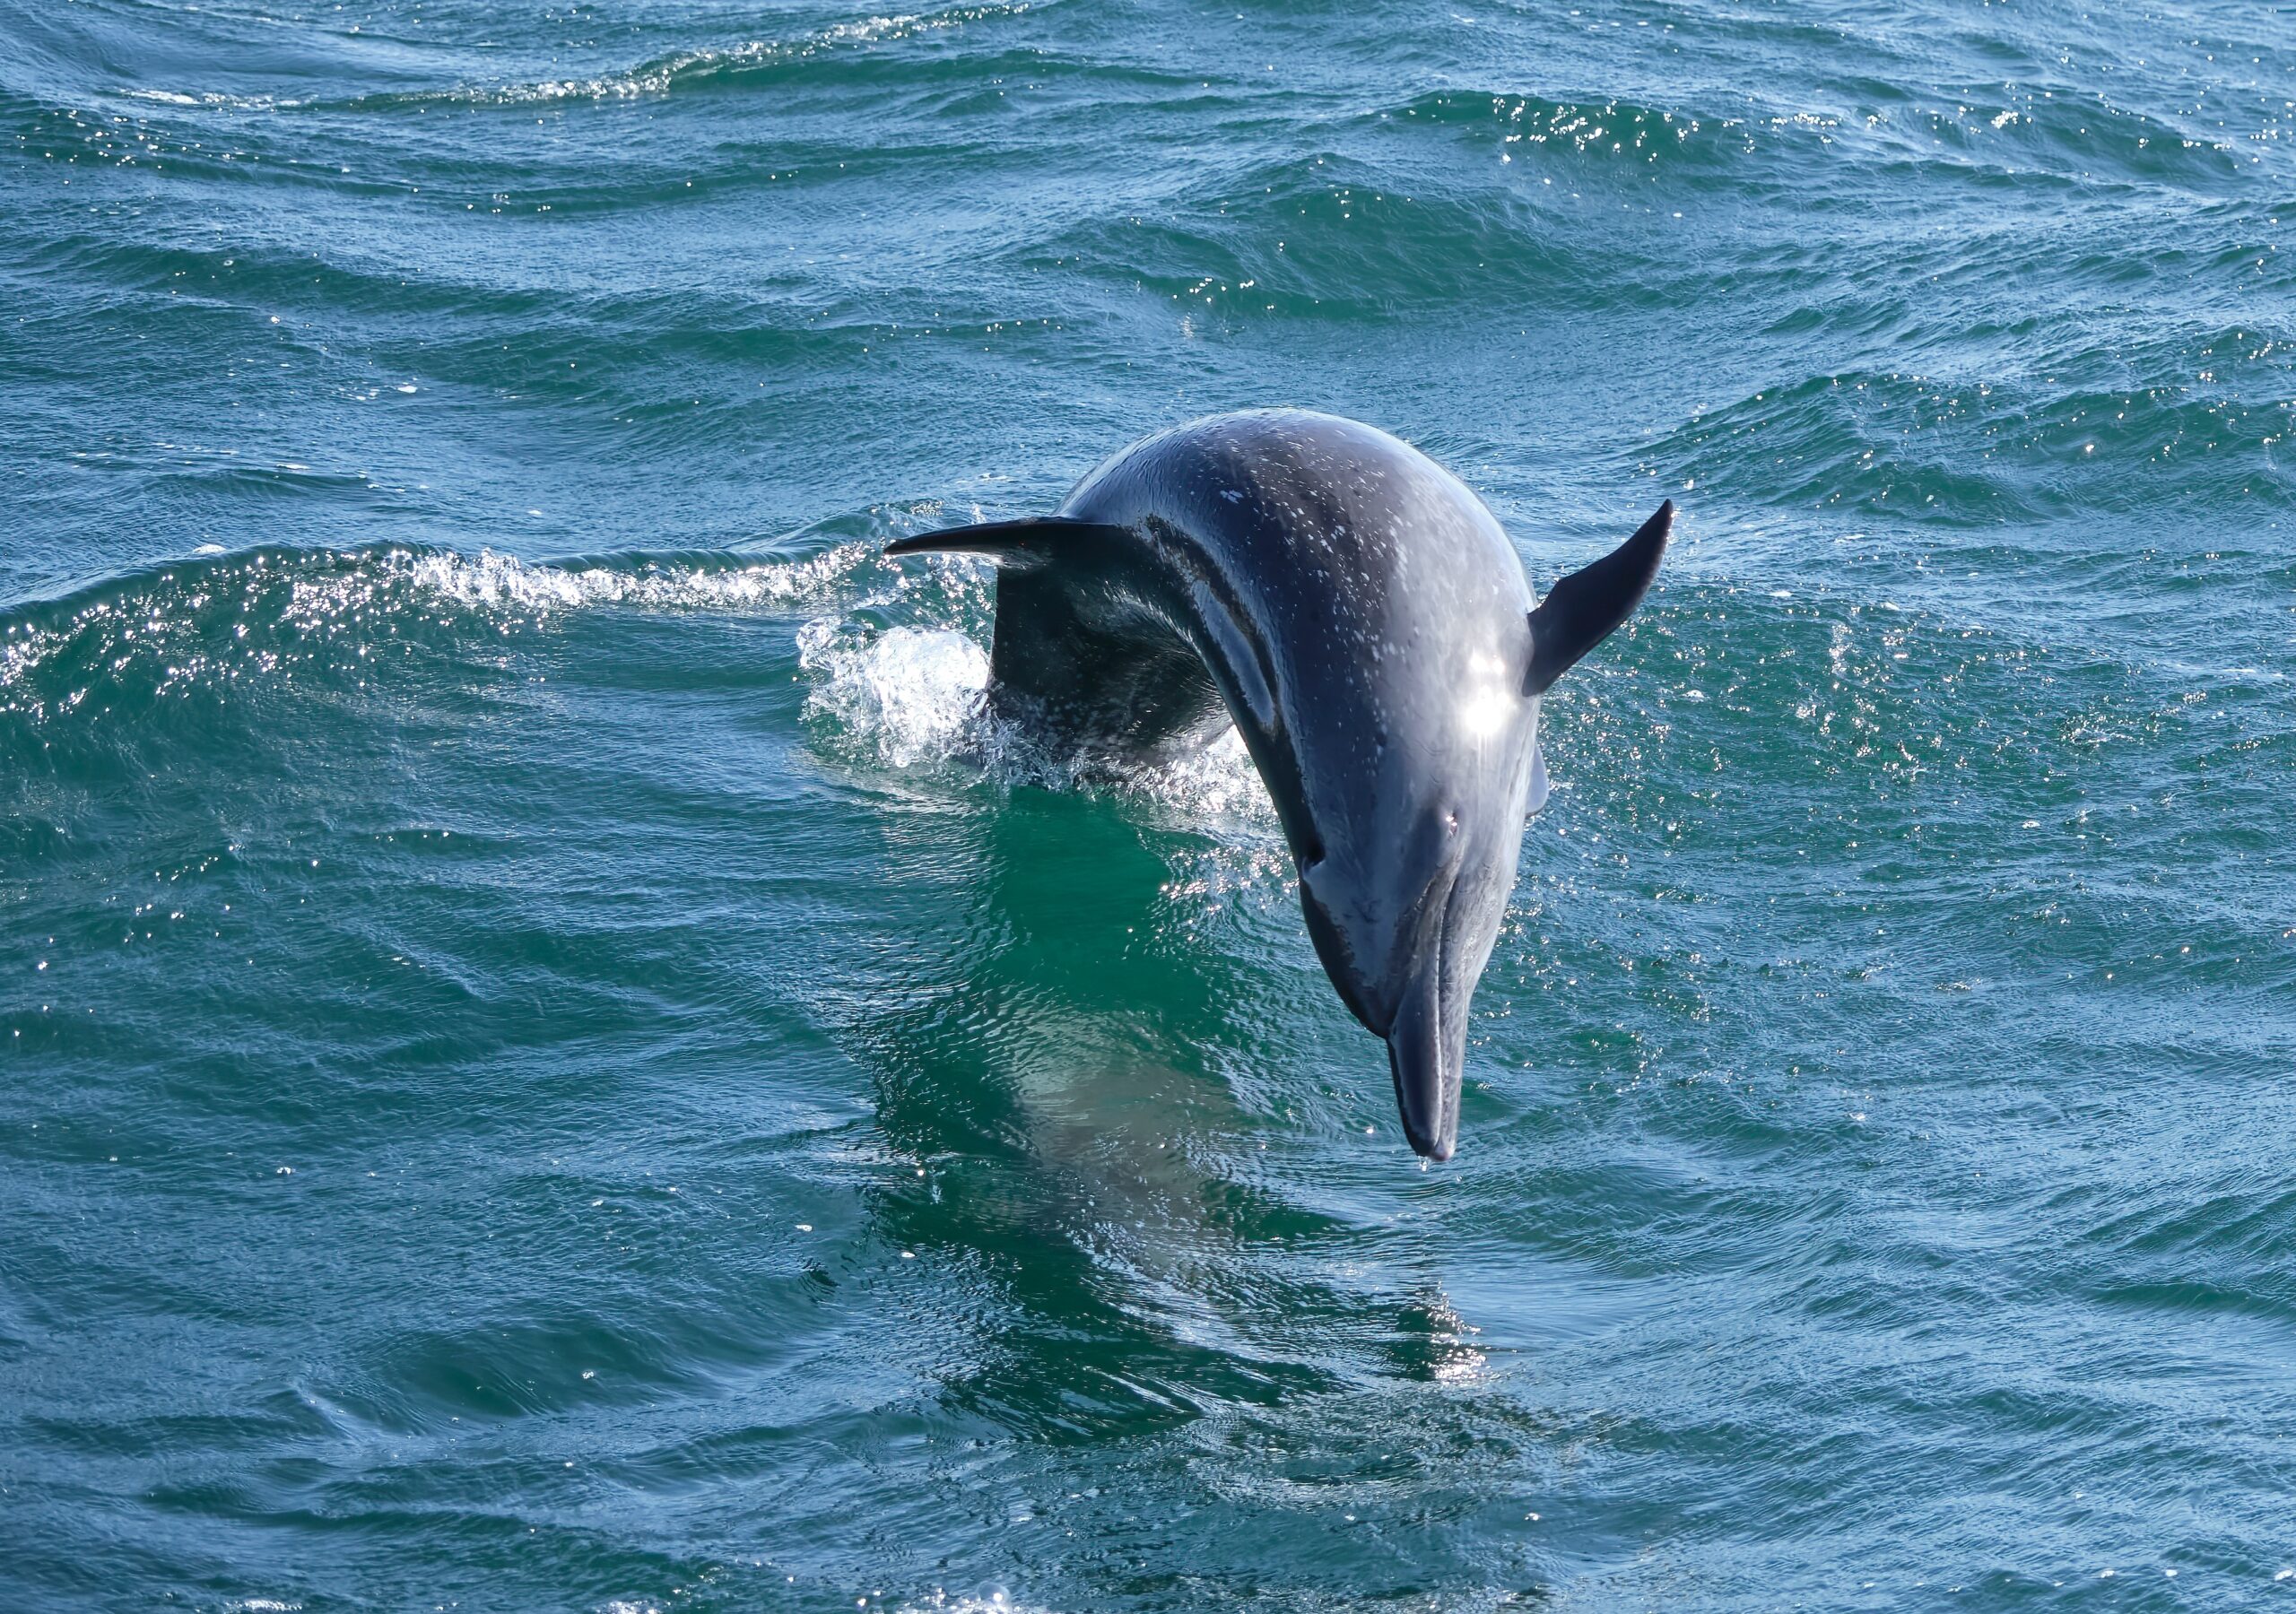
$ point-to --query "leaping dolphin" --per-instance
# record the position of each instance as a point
(1361, 618)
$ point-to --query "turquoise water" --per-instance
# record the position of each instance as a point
(550, 1062)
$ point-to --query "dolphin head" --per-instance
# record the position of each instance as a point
(1405, 906)
(1407, 859)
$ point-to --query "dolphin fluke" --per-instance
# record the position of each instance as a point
(1580, 610)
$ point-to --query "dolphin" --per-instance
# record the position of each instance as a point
(1361, 618)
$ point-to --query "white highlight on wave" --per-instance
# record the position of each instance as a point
(944, 1602)
(657, 78)
(256, 613)
(653, 78)
(488, 580)
(20, 653)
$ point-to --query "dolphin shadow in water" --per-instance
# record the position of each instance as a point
(1360, 617)
(1088, 1168)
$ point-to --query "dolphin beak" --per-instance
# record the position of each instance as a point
(1427, 1050)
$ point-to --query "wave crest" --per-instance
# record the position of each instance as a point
(268, 613)
(689, 69)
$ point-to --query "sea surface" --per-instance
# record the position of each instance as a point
(550, 1058)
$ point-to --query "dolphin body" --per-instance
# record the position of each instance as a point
(1361, 618)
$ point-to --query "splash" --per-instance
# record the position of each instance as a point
(912, 695)
(1219, 782)
(916, 697)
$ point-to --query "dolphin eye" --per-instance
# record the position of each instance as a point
(1451, 819)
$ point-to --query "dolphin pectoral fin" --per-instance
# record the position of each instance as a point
(1580, 610)
(1035, 538)
(1427, 1052)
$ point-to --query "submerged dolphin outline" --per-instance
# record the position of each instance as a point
(1359, 615)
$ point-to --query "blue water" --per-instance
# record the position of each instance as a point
(549, 1061)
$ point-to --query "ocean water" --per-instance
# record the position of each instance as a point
(550, 1060)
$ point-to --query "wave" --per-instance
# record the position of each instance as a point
(718, 65)
(1605, 129)
(267, 613)
(2029, 132)
(661, 76)
(1962, 450)
(1846, 135)
(1331, 235)
(898, 667)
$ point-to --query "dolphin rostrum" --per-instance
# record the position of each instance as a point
(1361, 618)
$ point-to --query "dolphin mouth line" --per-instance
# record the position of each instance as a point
(1435, 926)
(1447, 876)
(1427, 1072)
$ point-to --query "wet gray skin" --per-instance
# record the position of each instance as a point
(1361, 618)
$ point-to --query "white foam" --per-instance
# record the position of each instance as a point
(914, 695)
(173, 624)
(491, 581)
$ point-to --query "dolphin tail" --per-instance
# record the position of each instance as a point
(1031, 541)
(1580, 610)
(1077, 674)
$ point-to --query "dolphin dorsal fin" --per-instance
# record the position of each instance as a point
(1580, 610)
(1033, 539)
